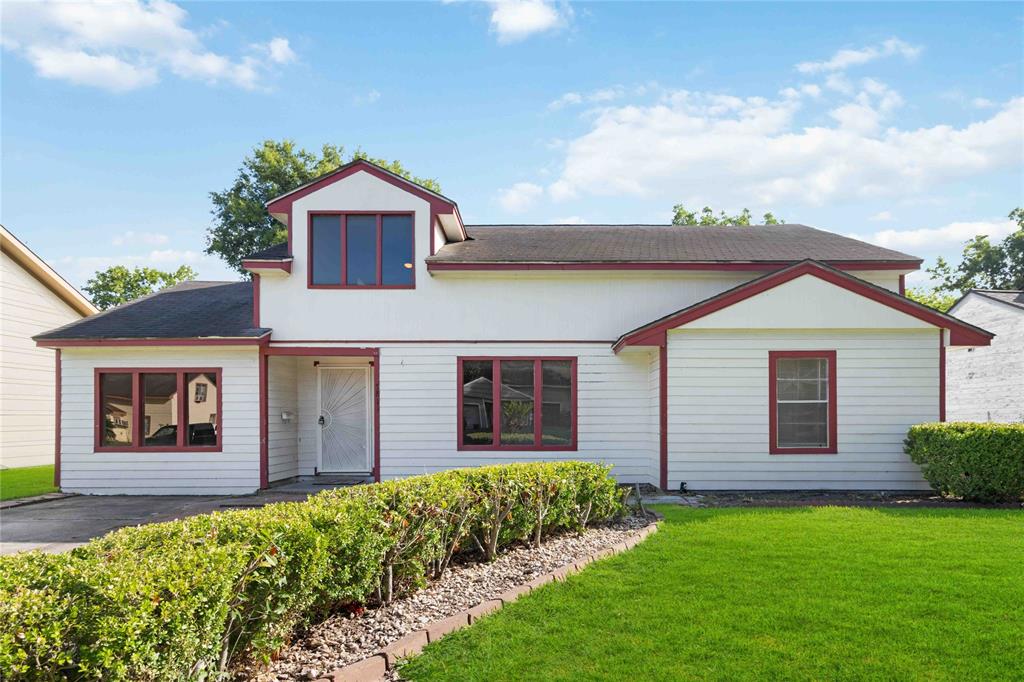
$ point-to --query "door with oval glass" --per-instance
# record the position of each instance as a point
(344, 420)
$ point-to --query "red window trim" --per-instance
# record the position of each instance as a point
(343, 215)
(137, 410)
(833, 431)
(538, 397)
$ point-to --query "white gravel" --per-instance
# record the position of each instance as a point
(346, 638)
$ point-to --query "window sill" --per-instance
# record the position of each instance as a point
(511, 448)
(803, 451)
(142, 450)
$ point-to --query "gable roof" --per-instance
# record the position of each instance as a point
(1011, 297)
(960, 332)
(564, 245)
(46, 275)
(190, 310)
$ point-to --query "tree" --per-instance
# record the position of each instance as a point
(707, 216)
(241, 224)
(932, 298)
(985, 265)
(117, 284)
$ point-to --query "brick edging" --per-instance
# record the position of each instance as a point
(375, 667)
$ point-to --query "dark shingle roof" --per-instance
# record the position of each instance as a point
(1014, 298)
(187, 310)
(658, 243)
(275, 252)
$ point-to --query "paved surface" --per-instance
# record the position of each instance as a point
(59, 525)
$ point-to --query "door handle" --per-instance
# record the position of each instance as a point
(320, 420)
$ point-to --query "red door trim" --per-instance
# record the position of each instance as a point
(663, 411)
(58, 415)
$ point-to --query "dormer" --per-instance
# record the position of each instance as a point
(358, 227)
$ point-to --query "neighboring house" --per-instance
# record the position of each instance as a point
(386, 338)
(987, 384)
(33, 298)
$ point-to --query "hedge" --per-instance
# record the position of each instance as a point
(195, 598)
(981, 462)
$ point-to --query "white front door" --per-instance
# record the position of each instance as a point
(345, 412)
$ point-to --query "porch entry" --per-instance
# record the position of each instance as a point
(345, 420)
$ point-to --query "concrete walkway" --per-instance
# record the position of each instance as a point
(59, 525)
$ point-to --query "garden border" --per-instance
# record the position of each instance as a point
(373, 668)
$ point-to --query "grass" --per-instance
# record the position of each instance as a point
(26, 481)
(742, 594)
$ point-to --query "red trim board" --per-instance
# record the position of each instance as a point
(264, 422)
(663, 411)
(751, 266)
(961, 333)
(200, 341)
(58, 414)
(256, 264)
(773, 427)
(942, 376)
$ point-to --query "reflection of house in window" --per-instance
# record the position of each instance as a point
(478, 404)
(201, 392)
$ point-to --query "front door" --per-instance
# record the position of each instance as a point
(345, 414)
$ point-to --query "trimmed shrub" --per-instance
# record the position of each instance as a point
(982, 462)
(191, 599)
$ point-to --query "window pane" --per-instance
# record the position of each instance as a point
(361, 250)
(802, 378)
(517, 402)
(477, 402)
(326, 249)
(160, 409)
(396, 247)
(556, 415)
(202, 408)
(117, 410)
(803, 425)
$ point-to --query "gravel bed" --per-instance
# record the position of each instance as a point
(346, 638)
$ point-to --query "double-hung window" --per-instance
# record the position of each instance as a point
(802, 402)
(361, 250)
(159, 410)
(514, 403)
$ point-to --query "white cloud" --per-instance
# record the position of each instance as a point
(844, 59)
(570, 220)
(940, 238)
(881, 217)
(125, 45)
(515, 20)
(369, 98)
(131, 238)
(982, 103)
(81, 268)
(565, 100)
(520, 197)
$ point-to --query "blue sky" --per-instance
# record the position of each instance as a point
(902, 124)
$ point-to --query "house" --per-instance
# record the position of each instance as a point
(33, 298)
(987, 383)
(386, 338)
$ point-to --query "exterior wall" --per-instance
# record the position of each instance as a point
(719, 411)
(282, 436)
(987, 383)
(27, 374)
(234, 470)
(500, 306)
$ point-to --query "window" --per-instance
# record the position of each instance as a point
(535, 400)
(361, 250)
(802, 400)
(145, 409)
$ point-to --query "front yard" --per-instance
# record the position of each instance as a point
(26, 482)
(799, 593)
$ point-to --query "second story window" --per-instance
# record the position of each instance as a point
(358, 250)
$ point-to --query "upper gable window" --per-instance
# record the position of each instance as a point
(361, 250)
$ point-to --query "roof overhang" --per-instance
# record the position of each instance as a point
(653, 333)
(268, 266)
(261, 340)
(47, 276)
(438, 265)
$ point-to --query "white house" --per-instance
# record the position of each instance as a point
(386, 338)
(987, 384)
(33, 298)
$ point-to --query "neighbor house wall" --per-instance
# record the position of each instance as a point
(987, 383)
(27, 373)
(233, 470)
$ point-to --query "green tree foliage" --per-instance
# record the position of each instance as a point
(118, 284)
(985, 265)
(681, 216)
(932, 298)
(241, 224)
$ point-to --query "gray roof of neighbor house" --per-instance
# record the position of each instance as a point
(659, 244)
(1011, 296)
(186, 310)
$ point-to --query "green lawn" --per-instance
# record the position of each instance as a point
(25, 482)
(801, 593)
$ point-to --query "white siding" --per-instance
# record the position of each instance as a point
(718, 408)
(987, 383)
(282, 436)
(27, 373)
(234, 470)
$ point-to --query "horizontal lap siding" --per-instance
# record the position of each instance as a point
(418, 411)
(718, 409)
(232, 471)
(282, 436)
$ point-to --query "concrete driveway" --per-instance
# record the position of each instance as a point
(59, 525)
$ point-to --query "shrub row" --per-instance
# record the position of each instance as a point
(191, 599)
(982, 462)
